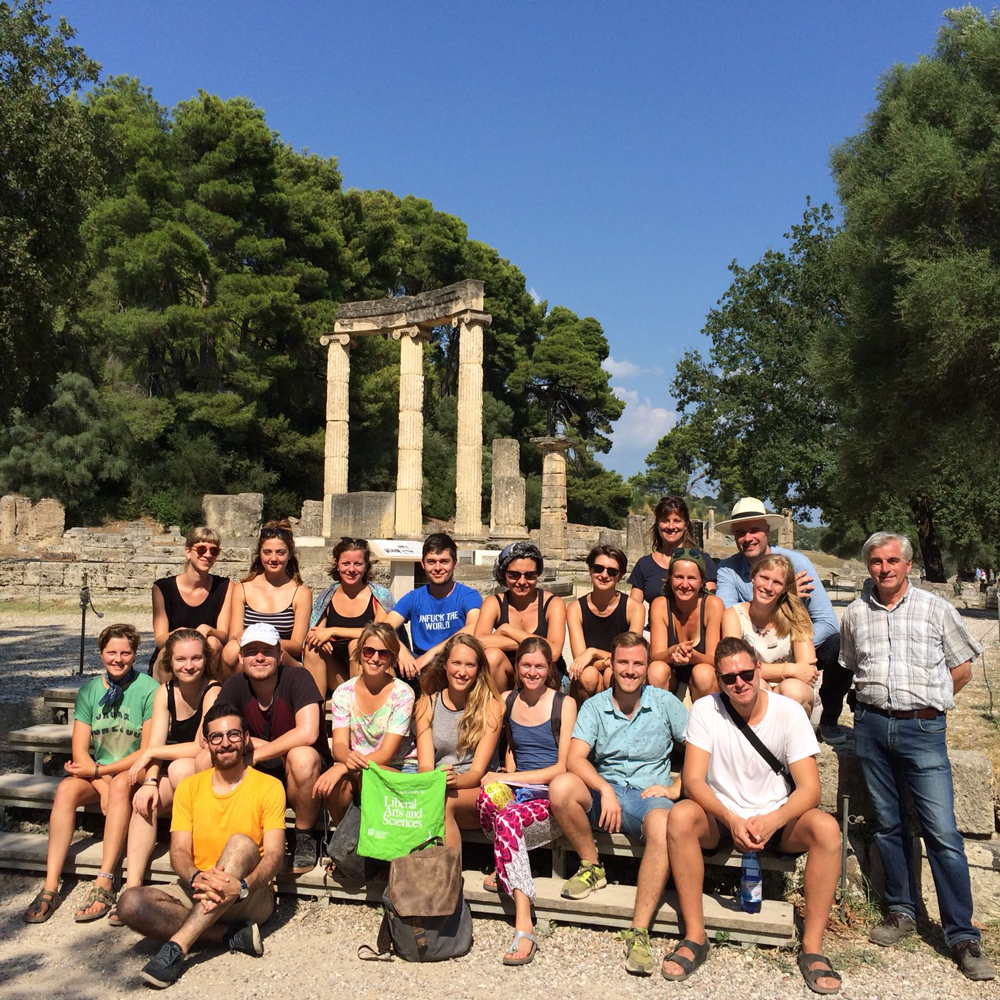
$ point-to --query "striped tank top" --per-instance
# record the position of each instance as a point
(283, 621)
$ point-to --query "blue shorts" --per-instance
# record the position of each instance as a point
(634, 808)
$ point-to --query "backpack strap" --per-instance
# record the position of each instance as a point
(508, 711)
(382, 952)
(751, 737)
(555, 719)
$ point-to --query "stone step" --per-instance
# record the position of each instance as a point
(608, 907)
(37, 791)
(49, 737)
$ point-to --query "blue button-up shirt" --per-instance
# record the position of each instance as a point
(632, 751)
(734, 586)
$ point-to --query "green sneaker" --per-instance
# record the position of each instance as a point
(588, 878)
(638, 957)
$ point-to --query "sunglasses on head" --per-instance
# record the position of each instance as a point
(206, 549)
(371, 653)
(276, 533)
(613, 571)
(531, 576)
(744, 675)
(361, 543)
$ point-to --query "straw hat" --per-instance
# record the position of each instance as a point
(749, 509)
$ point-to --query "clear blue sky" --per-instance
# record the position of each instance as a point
(621, 154)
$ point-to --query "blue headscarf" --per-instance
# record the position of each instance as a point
(516, 550)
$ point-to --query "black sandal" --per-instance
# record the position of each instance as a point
(700, 952)
(805, 959)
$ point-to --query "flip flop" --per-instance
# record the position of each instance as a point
(48, 898)
(96, 894)
(805, 959)
(490, 883)
(508, 958)
(113, 919)
(700, 952)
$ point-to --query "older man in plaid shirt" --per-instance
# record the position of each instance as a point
(910, 654)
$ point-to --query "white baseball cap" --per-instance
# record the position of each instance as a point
(260, 632)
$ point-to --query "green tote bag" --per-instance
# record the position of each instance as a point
(399, 811)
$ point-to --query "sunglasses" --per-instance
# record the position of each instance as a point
(233, 736)
(205, 549)
(744, 675)
(613, 571)
(371, 653)
(276, 533)
(361, 543)
(531, 576)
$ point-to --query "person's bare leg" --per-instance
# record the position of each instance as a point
(818, 833)
(522, 922)
(152, 913)
(70, 793)
(798, 691)
(703, 682)
(653, 869)
(690, 829)
(586, 685)
(214, 665)
(339, 799)
(317, 664)
(157, 671)
(231, 659)
(302, 767)
(116, 822)
(570, 799)
(142, 837)
(500, 668)
(659, 674)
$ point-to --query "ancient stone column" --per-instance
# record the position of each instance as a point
(469, 454)
(410, 452)
(710, 526)
(507, 506)
(786, 533)
(335, 448)
(552, 540)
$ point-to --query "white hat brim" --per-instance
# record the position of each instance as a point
(726, 527)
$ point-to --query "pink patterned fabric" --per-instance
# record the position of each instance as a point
(515, 830)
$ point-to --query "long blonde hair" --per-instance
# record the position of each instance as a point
(479, 701)
(790, 614)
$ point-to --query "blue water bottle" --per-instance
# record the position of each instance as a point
(750, 888)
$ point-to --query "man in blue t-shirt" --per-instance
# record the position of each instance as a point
(750, 525)
(435, 612)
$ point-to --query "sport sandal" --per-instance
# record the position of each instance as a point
(96, 894)
(805, 959)
(700, 952)
(511, 957)
(47, 898)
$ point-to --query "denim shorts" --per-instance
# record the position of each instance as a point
(634, 808)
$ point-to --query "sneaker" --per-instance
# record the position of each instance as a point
(588, 878)
(833, 735)
(305, 855)
(970, 959)
(638, 956)
(245, 938)
(895, 927)
(166, 967)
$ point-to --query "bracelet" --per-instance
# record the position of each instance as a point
(151, 781)
(97, 770)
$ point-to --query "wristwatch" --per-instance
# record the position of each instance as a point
(193, 877)
(244, 889)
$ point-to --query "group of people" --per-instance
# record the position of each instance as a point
(230, 729)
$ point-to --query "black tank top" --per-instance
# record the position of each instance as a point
(542, 628)
(598, 631)
(185, 730)
(335, 618)
(672, 635)
(180, 614)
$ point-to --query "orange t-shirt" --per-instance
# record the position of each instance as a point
(255, 806)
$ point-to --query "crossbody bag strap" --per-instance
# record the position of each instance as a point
(508, 732)
(751, 737)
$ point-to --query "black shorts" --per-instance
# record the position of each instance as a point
(726, 844)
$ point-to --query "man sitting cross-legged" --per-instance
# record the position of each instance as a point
(735, 799)
(227, 840)
(629, 730)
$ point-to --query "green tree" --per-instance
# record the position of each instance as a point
(914, 369)
(673, 468)
(48, 176)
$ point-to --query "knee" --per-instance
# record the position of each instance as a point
(658, 675)
(796, 690)
(214, 645)
(302, 764)
(590, 681)
(703, 681)
(562, 790)
(121, 786)
(655, 825)
(239, 849)
(683, 818)
(130, 905)
(823, 831)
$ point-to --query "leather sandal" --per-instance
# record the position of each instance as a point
(511, 957)
(96, 894)
(805, 959)
(700, 952)
(47, 898)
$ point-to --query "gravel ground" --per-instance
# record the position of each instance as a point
(312, 947)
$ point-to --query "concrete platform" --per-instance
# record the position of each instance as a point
(608, 907)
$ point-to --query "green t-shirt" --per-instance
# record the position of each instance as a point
(115, 732)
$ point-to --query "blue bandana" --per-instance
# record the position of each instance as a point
(116, 689)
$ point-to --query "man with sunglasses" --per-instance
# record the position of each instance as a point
(282, 706)
(438, 610)
(750, 525)
(736, 800)
(227, 837)
(617, 779)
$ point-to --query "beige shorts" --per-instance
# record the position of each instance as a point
(258, 906)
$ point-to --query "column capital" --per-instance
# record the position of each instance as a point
(415, 333)
(471, 316)
(344, 339)
(548, 444)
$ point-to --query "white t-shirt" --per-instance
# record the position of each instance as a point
(739, 776)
